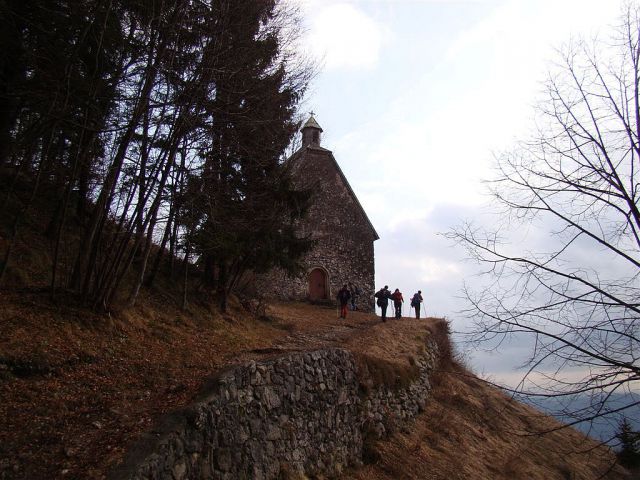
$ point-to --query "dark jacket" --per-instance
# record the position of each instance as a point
(344, 295)
(416, 300)
(383, 295)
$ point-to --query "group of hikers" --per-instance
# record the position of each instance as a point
(348, 295)
(384, 295)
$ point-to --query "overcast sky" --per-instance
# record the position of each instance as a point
(415, 98)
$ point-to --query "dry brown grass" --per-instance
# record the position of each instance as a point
(470, 430)
(78, 388)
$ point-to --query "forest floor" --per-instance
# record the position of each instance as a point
(77, 388)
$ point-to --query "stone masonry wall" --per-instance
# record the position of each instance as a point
(304, 413)
(344, 238)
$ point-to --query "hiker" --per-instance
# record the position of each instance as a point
(416, 300)
(383, 295)
(355, 293)
(343, 297)
(396, 296)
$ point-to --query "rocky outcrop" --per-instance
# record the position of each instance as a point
(301, 413)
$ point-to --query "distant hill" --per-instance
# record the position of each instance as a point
(603, 429)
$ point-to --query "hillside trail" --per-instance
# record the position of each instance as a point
(313, 327)
(320, 328)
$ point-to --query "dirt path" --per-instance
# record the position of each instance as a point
(312, 327)
(321, 330)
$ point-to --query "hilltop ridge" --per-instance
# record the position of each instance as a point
(79, 388)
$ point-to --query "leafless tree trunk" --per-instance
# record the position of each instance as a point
(178, 185)
(19, 216)
(85, 262)
(185, 279)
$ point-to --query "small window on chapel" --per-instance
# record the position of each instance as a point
(316, 137)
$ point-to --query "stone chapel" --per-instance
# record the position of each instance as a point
(344, 235)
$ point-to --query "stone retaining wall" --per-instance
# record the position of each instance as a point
(301, 413)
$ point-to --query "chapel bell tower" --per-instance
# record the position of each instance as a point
(311, 132)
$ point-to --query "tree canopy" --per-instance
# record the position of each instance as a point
(154, 121)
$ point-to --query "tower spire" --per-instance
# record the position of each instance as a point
(311, 132)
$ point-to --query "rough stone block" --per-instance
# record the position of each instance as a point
(223, 459)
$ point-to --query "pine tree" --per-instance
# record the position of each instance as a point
(629, 454)
(249, 205)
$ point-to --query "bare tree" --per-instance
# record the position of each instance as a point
(567, 276)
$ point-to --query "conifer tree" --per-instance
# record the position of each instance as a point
(250, 205)
(629, 453)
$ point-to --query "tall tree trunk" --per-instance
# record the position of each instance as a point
(154, 216)
(86, 258)
(187, 252)
(179, 181)
(222, 292)
(20, 215)
(82, 153)
(158, 258)
(173, 242)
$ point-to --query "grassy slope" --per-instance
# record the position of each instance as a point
(84, 386)
(75, 387)
(471, 430)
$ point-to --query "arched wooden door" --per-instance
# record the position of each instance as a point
(317, 284)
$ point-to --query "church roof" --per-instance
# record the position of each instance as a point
(355, 198)
(297, 156)
(311, 123)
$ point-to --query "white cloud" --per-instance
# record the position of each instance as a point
(436, 140)
(344, 36)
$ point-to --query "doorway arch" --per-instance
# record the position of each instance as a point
(318, 284)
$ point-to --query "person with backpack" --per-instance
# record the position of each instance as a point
(383, 295)
(416, 301)
(343, 298)
(355, 293)
(396, 296)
